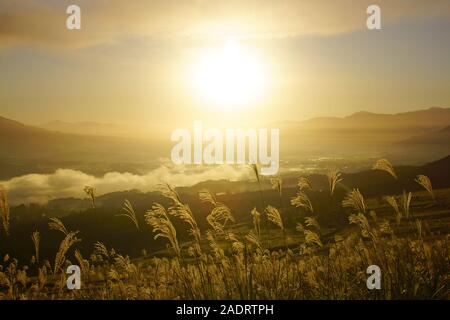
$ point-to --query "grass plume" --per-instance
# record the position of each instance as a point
(425, 182)
(385, 165)
(334, 177)
(158, 219)
(56, 224)
(130, 213)
(355, 200)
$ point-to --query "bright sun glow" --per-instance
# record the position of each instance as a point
(229, 78)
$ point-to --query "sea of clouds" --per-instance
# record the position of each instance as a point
(40, 188)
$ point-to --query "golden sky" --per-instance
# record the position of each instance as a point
(135, 61)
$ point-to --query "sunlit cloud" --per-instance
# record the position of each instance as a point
(40, 188)
(43, 22)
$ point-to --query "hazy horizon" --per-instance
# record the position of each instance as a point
(138, 65)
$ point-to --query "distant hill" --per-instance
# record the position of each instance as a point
(360, 133)
(439, 137)
(409, 137)
(21, 141)
(436, 143)
(87, 128)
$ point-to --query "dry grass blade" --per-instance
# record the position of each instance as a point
(65, 245)
(158, 219)
(334, 177)
(56, 224)
(274, 216)
(384, 165)
(4, 209)
(301, 200)
(355, 200)
(425, 182)
(35, 236)
(130, 213)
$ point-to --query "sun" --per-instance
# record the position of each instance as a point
(229, 78)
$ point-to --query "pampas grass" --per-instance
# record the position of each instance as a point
(64, 246)
(384, 165)
(100, 249)
(304, 184)
(361, 220)
(4, 209)
(334, 177)
(56, 224)
(301, 200)
(232, 264)
(355, 200)
(219, 217)
(312, 238)
(129, 213)
(274, 216)
(220, 213)
(425, 182)
(158, 219)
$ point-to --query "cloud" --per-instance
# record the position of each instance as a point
(39, 188)
(43, 22)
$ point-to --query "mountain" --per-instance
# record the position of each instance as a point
(362, 133)
(436, 143)
(21, 141)
(439, 137)
(88, 128)
(411, 136)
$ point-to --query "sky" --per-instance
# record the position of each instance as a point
(136, 62)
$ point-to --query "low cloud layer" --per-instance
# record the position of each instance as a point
(39, 188)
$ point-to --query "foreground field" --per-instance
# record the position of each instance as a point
(406, 235)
